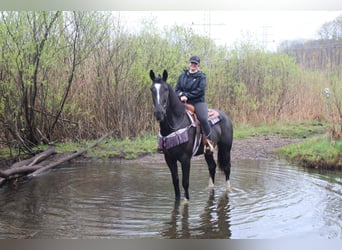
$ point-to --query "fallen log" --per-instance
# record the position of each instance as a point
(38, 164)
(30, 164)
(26, 166)
(37, 158)
(68, 157)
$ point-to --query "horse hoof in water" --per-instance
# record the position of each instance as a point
(228, 186)
(185, 202)
(211, 183)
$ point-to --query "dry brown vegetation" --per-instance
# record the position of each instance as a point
(77, 75)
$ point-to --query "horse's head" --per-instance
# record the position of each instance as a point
(160, 95)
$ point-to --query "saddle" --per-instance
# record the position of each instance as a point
(213, 115)
(213, 118)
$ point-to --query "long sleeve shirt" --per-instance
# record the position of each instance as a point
(192, 86)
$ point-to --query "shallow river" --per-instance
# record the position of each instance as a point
(269, 199)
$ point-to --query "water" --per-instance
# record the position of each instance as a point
(269, 199)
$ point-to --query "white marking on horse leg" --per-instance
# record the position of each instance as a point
(185, 202)
(157, 86)
(228, 186)
(211, 183)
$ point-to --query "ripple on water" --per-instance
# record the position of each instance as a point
(269, 199)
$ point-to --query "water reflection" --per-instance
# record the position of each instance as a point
(269, 199)
(213, 221)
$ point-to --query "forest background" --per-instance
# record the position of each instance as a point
(73, 76)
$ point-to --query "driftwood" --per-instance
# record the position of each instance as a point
(40, 163)
(36, 159)
(29, 165)
(69, 157)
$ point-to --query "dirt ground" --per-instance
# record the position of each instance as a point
(260, 147)
(256, 147)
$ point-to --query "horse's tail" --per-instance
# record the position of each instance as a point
(225, 144)
(223, 155)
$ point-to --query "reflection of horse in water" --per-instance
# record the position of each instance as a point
(179, 137)
(214, 221)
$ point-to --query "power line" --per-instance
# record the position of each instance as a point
(207, 24)
(265, 35)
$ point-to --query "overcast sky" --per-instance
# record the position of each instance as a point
(226, 27)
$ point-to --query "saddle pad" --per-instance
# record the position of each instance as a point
(174, 139)
(213, 116)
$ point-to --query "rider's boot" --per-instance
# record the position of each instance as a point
(208, 145)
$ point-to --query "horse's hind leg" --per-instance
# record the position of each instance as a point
(224, 161)
(226, 170)
(209, 158)
(227, 173)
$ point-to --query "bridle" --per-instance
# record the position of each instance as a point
(165, 107)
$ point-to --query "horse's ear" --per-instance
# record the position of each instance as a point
(165, 75)
(152, 75)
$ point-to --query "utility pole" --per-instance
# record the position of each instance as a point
(265, 36)
(207, 24)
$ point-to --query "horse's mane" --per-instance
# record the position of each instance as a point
(175, 104)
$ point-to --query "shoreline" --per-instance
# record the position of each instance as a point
(251, 148)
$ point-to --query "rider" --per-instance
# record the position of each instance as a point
(190, 88)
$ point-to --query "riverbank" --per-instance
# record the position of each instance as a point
(262, 147)
(305, 144)
(320, 152)
(251, 148)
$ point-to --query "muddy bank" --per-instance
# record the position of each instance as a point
(260, 147)
(256, 147)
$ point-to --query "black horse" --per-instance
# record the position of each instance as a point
(178, 135)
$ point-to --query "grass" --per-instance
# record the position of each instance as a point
(134, 148)
(127, 148)
(317, 149)
(108, 148)
(316, 152)
(289, 130)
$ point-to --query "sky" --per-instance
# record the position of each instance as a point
(269, 28)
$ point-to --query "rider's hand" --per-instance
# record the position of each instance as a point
(183, 98)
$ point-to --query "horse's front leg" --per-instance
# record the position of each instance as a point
(185, 176)
(175, 180)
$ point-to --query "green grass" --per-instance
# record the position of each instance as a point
(290, 130)
(127, 148)
(133, 148)
(315, 152)
(108, 148)
(314, 149)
